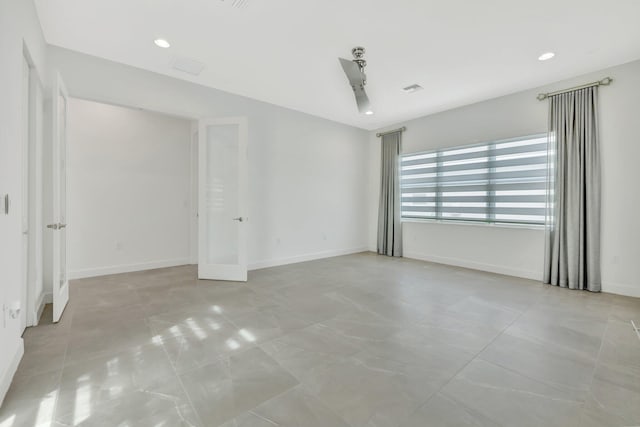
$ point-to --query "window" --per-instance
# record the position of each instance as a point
(494, 182)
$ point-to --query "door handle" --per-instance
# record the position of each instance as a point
(240, 219)
(57, 226)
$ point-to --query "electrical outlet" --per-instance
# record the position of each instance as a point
(14, 310)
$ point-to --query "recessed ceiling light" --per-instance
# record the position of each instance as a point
(546, 56)
(369, 113)
(162, 43)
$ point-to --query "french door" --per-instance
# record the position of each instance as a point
(60, 281)
(222, 199)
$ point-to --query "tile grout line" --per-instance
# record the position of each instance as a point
(516, 372)
(597, 361)
(366, 309)
(184, 390)
(164, 350)
(554, 385)
(602, 342)
(468, 363)
(522, 374)
(259, 344)
(64, 363)
(609, 320)
(221, 358)
(635, 328)
(299, 384)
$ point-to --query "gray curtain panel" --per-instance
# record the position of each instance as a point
(572, 253)
(389, 225)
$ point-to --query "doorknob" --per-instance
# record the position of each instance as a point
(61, 225)
(240, 219)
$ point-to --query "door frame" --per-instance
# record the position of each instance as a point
(33, 293)
(193, 194)
(25, 182)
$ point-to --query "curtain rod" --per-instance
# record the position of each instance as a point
(402, 129)
(604, 82)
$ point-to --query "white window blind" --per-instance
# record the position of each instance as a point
(497, 182)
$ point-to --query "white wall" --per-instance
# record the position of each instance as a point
(519, 251)
(129, 192)
(307, 177)
(19, 27)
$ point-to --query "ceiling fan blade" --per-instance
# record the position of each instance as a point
(362, 100)
(357, 79)
(352, 70)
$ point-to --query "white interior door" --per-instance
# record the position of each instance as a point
(222, 194)
(60, 282)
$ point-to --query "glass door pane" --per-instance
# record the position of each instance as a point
(222, 194)
(62, 138)
(60, 282)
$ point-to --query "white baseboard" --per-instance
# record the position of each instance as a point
(126, 268)
(621, 289)
(492, 268)
(611, 288)
(45, 298)
(7, 375)
(302, 258)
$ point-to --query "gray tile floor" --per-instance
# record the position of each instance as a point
(358, 340)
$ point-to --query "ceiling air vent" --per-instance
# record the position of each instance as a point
(238, 4)
(413, 88)
(189, 66)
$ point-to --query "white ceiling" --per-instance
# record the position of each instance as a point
(285, 51)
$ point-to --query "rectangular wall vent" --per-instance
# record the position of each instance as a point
(412, 88)
(189, 66)
(238, 4)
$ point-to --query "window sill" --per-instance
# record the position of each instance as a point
(474, 223)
